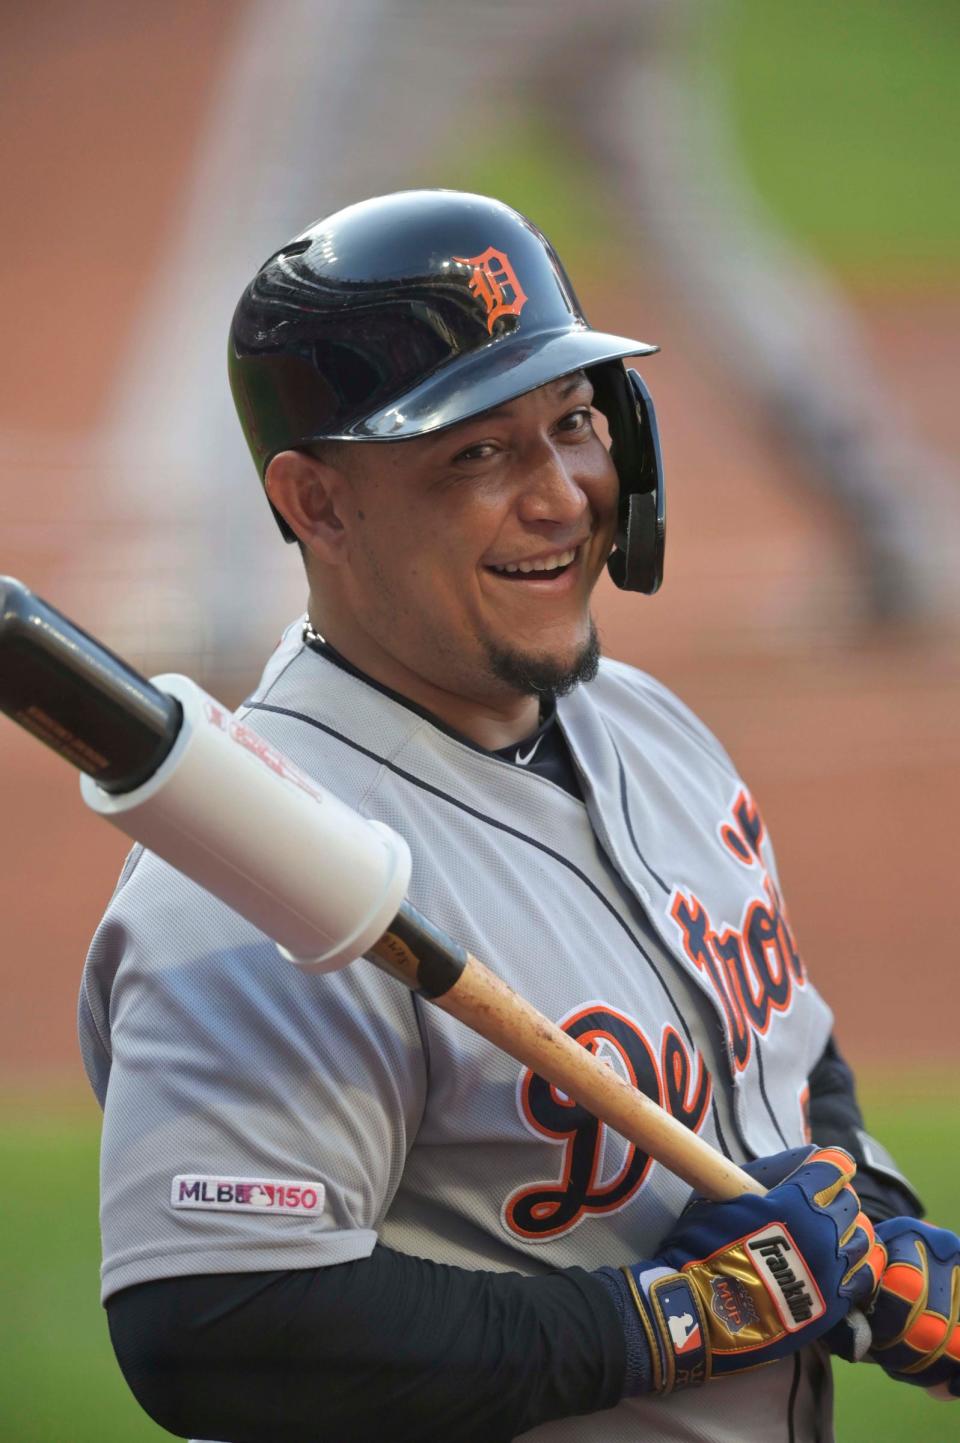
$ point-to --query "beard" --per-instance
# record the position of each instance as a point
(532, 675)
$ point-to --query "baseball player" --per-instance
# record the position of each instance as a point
(331, 1213)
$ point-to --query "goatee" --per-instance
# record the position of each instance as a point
(533, 675)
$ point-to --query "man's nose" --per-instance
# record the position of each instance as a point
(551, 491)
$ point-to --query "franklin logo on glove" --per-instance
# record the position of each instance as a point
(787, 1280)
(755, 1272)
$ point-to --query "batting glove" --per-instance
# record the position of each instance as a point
(743, 1283)
(916, 1312)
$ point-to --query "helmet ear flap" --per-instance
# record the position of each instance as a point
(636, 564)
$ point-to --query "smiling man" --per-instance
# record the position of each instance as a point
(329, 1212)
(457, 567)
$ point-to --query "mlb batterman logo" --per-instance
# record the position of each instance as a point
(493, 282)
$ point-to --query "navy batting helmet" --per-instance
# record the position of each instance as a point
(411, 312)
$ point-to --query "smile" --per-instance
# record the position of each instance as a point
(556, 563)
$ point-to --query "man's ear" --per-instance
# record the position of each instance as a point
(309, 495)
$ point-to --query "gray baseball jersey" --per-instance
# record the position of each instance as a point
(260, 1118)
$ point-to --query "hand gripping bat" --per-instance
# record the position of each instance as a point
(170, 767)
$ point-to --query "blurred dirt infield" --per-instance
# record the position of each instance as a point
(849, 739)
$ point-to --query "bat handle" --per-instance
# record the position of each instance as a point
(426, 959)
(487, 1004)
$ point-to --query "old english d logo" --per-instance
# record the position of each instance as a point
(494, 282)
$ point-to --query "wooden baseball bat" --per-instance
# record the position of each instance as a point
(120, 730)
(430, 962)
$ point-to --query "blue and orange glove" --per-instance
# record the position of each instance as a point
(915, 1317)
(742, 1283)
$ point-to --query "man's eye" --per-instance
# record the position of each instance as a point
(579, 420)
(479, 452)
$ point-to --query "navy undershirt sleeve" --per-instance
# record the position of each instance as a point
(386, 1347)
(836, 1120)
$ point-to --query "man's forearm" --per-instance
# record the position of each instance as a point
(836, 1120)
(388, 1344)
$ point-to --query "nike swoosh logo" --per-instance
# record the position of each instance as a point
(522, 761)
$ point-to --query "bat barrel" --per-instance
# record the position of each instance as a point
(79, 698)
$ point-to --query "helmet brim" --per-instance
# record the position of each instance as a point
(508, 367)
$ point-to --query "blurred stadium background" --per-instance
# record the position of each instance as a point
(767, 190)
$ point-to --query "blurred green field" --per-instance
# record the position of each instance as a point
(58, 1381)
(847, 114)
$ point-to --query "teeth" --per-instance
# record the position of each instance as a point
(551, 563)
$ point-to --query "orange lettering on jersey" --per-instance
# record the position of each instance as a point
(804, 1101)
(494, 282)
(700, 944)
(753, 967)
(589, 1184)
(687, 1098)
(744, 835)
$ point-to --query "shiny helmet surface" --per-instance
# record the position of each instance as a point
(410, 312)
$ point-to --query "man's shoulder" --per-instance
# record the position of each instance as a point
(634, 699)
(300, 674)
(621, 676)
(328, 719)
(618, 684)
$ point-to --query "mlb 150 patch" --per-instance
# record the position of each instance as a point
(247, 1194)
